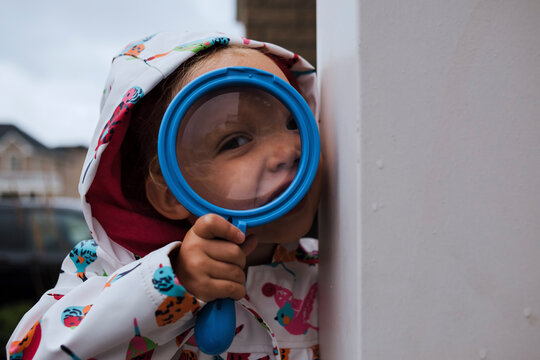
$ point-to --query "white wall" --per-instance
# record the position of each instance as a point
(431, 220)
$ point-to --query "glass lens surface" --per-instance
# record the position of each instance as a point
(238, 147)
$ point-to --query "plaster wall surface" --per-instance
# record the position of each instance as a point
(430, 239)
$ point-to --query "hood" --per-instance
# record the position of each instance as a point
(119, 223)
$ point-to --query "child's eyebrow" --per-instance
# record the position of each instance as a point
(213, 138)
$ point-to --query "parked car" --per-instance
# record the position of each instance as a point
(35, 237)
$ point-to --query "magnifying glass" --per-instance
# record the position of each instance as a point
(241, 143)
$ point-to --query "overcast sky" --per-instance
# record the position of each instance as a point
(55, 55)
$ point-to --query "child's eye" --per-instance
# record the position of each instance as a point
(234, 143)
(291, 124)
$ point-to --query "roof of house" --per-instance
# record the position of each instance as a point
(9, 128)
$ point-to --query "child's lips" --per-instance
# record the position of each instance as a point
(274, 195)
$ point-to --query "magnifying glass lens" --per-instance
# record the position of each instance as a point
(238, 148)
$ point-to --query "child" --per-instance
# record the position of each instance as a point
(135, 289)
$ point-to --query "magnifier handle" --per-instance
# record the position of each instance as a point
(215, 326)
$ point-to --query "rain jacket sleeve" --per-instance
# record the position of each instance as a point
(144, 294)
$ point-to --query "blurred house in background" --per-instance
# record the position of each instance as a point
(29, 168)
(40, 219)
(289, 23)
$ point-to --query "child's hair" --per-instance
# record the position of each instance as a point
(139, 149)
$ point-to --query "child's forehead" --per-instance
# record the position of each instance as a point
(231, 109)
(236, 57)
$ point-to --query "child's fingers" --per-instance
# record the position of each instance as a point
(226, 252)
(208, 288)
(211, 289)
(225, 289)
(212, 226)
(218, 270)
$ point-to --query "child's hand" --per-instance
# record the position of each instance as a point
(210, 263)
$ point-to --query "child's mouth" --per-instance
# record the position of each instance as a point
(274, 195)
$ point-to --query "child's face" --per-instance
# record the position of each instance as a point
(239, 149)
(251, 154)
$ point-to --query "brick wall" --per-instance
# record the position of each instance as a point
(289, 23)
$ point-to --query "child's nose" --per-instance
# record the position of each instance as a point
(284, 152)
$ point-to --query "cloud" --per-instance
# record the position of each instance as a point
(54, 111)
(54, 62)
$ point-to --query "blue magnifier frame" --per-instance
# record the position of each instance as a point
(216, 322)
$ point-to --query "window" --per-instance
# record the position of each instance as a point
(15, 163)
(57, 229)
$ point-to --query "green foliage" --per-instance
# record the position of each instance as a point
(10, 315)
